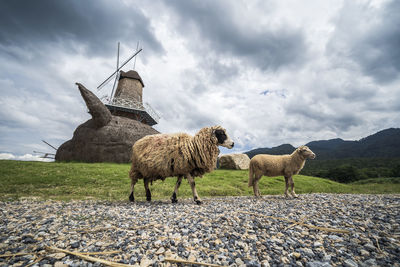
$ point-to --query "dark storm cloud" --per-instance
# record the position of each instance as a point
(379, 55)
(340, 120)
(373, 41)
(96, 24)
(223, 33)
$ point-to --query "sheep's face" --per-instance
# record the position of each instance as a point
(223, 138)
(306, 152)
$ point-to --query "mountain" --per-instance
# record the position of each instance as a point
(383, 144)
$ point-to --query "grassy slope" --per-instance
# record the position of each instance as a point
(110, 181)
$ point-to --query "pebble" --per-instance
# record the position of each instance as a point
(308, 252)
(239, 261)
(317, 264)
(296, 255)
(364, 253)
(350, 263)
(161, 250)
(370, 262)
(60, 264)
(228, 231)
(317, 244)
(285, 260)
(145, 262)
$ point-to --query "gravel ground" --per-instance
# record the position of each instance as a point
(234, 231)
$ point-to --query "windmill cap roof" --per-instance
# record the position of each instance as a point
(132, 75)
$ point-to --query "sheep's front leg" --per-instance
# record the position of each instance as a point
(287, 186)
(292, 187)
(146, 187)
(177, 185)
(193, 186)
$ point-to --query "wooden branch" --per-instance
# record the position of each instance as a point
(89, 258)
(101, 253)
(14, 255)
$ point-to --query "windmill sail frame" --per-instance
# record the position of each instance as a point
(126, 105)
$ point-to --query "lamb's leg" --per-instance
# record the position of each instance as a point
(256, 189)
(146, 187)
(193, 186)
(134, 180)
(292, 187)
(177, 185)
(287, 186)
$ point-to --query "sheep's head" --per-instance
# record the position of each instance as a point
(306, 152)
(220, 137)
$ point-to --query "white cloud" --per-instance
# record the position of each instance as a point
(26, 157)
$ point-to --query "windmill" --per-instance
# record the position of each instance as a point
(127, 99)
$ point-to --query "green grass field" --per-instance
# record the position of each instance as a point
(108, 181)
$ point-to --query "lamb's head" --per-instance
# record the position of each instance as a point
(305, 152)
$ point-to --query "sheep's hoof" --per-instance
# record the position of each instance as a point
(131, 198)
(148, 195)
(198, 202)
(173, 198)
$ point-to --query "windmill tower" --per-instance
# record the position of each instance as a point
(128, 98)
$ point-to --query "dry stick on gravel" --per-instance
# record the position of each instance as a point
(377, 243)
(300, 223)
(88, 258)
(14, 255)
(192, 262)
(101, 253)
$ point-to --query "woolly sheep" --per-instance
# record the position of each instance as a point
(156, 157)
(271, 165)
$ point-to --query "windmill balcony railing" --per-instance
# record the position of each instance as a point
(135, 104)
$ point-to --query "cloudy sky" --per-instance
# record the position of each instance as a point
(270, 72)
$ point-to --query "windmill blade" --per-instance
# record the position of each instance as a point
(123, 64)
(137, 48)
(49, 145)
(46, 153)
(116, 77)
(115, 82)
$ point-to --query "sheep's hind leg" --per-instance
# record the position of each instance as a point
(256, 189)
(287, 186)
(146, 187)
(193, 186)
(292, 187)
(134, 180)
(177, 185)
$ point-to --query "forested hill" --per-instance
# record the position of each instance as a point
(383, 144)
